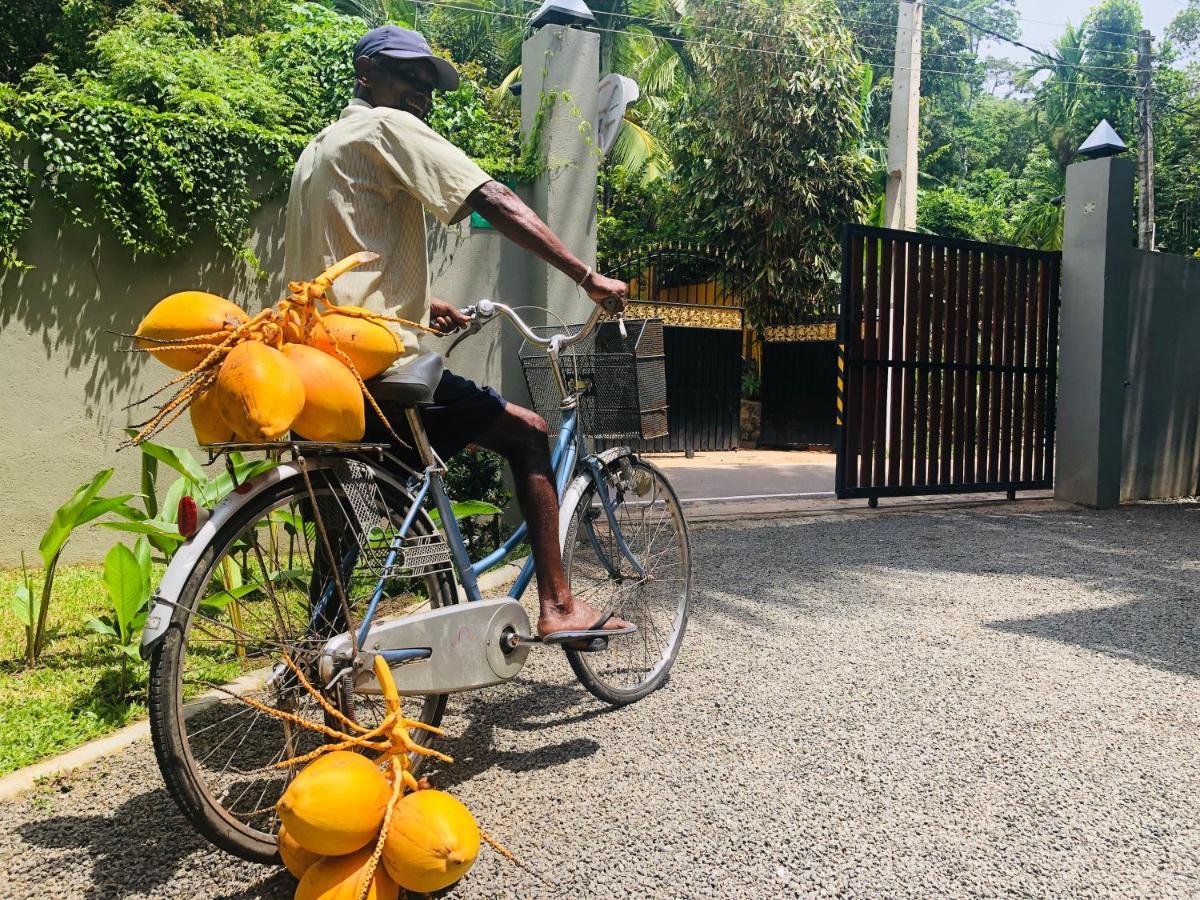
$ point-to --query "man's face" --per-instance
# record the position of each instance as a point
(405, 84)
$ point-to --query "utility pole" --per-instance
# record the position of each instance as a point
(900, 203)
(1145, 156)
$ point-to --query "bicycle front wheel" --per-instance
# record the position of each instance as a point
(260, 595)
(650, 519)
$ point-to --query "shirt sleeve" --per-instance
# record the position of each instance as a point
(428, 166)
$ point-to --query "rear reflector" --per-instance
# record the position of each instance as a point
(190, 516)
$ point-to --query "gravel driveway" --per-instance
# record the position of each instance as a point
(972, 701)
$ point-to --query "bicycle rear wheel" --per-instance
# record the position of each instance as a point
(649, 517)
(249, 600)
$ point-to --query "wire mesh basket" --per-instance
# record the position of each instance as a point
(622, 381)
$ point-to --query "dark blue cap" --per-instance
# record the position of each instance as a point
(400, 43)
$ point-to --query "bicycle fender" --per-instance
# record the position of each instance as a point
(165, 599)
(578, 485)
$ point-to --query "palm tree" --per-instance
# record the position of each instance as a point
(1057, 99)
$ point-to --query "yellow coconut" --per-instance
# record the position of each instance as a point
(295, 857)
(333, 401)
(210, 428)
(431, 842)
(370, 343)
(341, 878)
(186, 315)
(259, 392)
(336, 804)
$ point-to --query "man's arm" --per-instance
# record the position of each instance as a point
(509, 215)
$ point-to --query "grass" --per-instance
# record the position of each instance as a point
(70, 697)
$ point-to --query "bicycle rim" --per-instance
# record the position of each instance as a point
(650, 518)
(249, 600)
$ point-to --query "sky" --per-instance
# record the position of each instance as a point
(1155, 16)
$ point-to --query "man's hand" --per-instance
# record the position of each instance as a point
(445, 317)
(601, 287)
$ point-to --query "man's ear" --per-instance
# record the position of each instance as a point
(362, 72)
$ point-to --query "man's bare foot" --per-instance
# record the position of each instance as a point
(580, 617)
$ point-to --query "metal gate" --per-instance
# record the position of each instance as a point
(948, 352)
(690, 289)
(799, 403)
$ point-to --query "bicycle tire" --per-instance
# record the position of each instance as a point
(597, 671)
(168, 719)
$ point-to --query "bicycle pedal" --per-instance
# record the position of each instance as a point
(595, 645)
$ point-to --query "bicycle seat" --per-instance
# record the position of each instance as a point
(411, 384)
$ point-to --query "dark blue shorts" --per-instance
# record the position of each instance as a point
(461, 411)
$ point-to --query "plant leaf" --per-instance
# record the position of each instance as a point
(465, 509)
(178, 459)
(123, 580)
(22, 605)
(152, 528)
(221, 599)
(66, 517)
(102, 626)
(101, 505)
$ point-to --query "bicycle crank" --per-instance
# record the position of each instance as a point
(440, 651)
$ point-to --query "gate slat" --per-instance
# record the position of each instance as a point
(854, 374)
(1039, 418)
(921, 422)
(949, 376)
(870, 352)
(984, 410)
(971, 342)
(1020, 471)
(896, 375)
(936, 328)
(883, 346)
(996, 409)
(962, 331)
(908, 411)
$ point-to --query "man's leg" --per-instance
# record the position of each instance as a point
(519, 435)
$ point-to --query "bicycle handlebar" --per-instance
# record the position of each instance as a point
(485, 310)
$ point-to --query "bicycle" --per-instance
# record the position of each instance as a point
(340, 553)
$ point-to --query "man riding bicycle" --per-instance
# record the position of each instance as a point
(363, 184)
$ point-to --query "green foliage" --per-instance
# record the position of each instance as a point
(751, 380)
(769, 153)
(635, 212)
(84, 506)
(475, 483)
(174, 120)
(490, 137)
(127, 575)
(477, 474)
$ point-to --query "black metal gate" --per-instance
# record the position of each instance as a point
(690, 289)
(799, 403)
(947, 366)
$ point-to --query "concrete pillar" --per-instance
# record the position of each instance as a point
(900, 200)
(563, 62)
(1097, 257)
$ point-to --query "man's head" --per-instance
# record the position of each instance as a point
(394, 67)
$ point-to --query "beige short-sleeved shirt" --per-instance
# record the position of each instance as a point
(360, 185)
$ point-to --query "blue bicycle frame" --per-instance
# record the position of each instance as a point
(563, 460)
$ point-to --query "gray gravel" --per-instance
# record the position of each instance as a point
(974, 701)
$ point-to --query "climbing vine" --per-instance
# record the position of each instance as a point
(165, 126)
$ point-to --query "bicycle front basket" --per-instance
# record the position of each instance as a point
(623, 381)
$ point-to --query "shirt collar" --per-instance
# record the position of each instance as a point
(355, 106)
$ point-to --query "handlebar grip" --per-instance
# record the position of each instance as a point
(610, 304)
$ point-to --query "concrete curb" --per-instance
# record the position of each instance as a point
(22, 780)
(804, 507)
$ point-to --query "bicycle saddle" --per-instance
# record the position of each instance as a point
(411, 384)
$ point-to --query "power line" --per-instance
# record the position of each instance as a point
(746, 49)
(646, 20)
(1057, 60)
